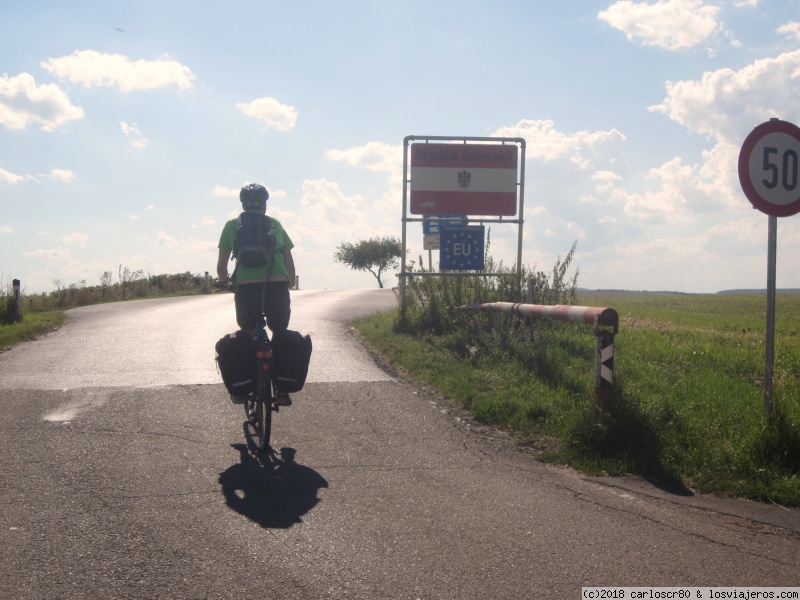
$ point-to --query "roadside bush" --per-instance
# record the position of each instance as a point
(433, 301)
(6, 309)
(131, 284)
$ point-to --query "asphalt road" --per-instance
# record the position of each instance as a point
(124, 474)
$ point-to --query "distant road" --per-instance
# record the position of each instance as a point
(124, 474)
(171, 342)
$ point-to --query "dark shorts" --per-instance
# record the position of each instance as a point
(254, 301)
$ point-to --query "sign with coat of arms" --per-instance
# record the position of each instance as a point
(464, 179)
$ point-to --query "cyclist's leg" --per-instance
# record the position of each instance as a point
(277, 309)
(277, 305)
(249, 300)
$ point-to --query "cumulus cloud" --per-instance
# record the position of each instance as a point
(92, 68)
(666, 200)
(328, 203)
(268, 110)
(166, 240)
(791, 30)
(9, 177)
(221, 190)
(680, 193)
(605, 180)
(63, 175)
(374, 156)
(22, 101)
(78, 239)
(205, 222)
(725, 104)
(50, 254)
(5, 229)
(545, 142)
(378, 157)
(668, 24)
(134, 135)
(588, 196)
(719, 256)
(333, 216)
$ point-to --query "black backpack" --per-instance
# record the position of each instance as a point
(254, 244)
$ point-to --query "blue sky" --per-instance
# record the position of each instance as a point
(126, 130)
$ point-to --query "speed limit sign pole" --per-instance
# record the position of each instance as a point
(768, 172)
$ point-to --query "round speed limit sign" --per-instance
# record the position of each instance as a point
(769, 168)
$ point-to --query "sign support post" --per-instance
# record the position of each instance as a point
(769, 354)
(769, 171)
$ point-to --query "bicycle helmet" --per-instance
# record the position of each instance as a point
(253, 194)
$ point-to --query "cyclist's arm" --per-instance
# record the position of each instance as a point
(289, 262)
(222, 264)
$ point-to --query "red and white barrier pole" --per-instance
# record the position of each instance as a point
(604, 320)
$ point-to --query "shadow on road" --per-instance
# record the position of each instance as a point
(274, 491)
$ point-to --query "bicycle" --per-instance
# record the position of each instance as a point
(262, 401)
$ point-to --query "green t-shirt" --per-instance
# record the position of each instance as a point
(255, 274)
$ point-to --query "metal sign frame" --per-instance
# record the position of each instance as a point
(408, 141)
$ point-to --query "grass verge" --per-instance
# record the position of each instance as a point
(689, 404)
(31, 327)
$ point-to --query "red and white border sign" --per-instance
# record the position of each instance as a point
(464, 179)
(769, 168)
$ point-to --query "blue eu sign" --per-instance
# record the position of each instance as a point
(432, 224)
(461, 248)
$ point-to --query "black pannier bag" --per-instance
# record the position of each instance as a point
(291, 354)
(236, 359)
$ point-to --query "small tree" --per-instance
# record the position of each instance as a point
(375, 255)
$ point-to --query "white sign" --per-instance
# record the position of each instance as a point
(769, 168)
(431, 242)
(464, 179)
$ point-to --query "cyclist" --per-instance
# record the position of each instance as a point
(259, 291)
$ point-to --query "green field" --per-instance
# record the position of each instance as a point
(689, 395)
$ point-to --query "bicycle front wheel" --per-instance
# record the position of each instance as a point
(263, 412)
(263, 424)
